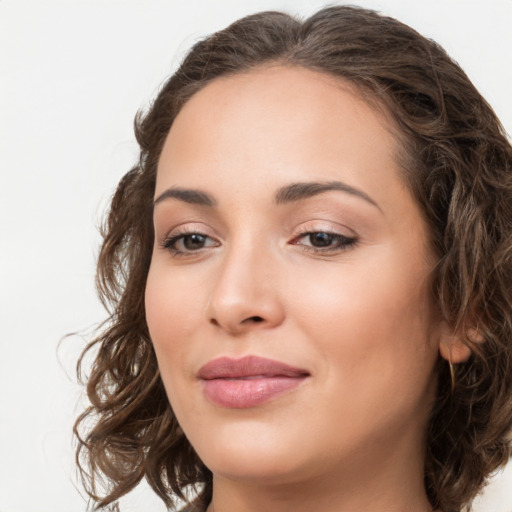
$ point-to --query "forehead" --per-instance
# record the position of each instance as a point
(279, 111)
(289, 95)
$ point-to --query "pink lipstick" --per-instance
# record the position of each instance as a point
(249, 381)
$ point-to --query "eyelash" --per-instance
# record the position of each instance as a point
(342, 242)
(169, 243)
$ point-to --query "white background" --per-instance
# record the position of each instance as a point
(72, 75)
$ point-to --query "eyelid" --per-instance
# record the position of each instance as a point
(181, 231)
(341, 238)
(187, 228)
(324, 226)
(342, 241)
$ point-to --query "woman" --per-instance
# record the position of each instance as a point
(309, 274)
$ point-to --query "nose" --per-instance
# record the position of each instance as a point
(246, 295)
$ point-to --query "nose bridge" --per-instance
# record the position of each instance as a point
(245, 295)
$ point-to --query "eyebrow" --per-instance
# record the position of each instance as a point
(299, 191)
(287, 194)
(186, 195)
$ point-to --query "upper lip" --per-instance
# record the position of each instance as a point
(249, 366)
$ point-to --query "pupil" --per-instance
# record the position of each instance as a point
(321, 239)
(194, 241)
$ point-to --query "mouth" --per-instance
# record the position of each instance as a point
(249, 381)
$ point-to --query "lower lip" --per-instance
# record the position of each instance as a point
(247, 392)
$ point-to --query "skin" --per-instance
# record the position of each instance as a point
(356, 315)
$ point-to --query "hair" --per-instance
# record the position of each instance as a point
(457, 162)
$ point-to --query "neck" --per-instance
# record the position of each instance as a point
(358, 489)
(384, 474)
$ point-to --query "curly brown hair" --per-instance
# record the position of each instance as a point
(458, 164)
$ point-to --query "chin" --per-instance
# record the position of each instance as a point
(255, 469)
(252, 452)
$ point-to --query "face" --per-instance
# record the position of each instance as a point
(287, 297)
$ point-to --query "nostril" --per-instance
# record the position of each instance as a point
(245, 322)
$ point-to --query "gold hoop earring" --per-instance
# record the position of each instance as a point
(452, 376)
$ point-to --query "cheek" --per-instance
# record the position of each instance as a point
(173, 300)
(172, 315)
(373, 336)
(172, 312)
(357, 296)
(373, 321)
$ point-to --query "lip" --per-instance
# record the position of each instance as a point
(249, 381)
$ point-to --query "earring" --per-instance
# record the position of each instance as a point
(452, 376)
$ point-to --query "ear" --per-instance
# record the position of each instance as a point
(451, 346)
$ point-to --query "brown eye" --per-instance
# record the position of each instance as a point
(321, 239)
(187, 243)
(324, 242)
(194, 241)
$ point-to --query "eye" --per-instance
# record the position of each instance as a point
(324, 241)
(321, 239)
(187, 243)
